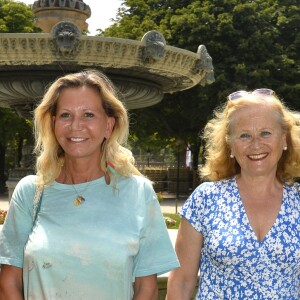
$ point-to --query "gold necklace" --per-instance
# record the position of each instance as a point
(80, 199)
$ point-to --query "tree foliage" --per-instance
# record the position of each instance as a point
(14, 133)
(16, 17)
(253, 44)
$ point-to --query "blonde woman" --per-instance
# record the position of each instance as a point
(241, 228)
(99, 232)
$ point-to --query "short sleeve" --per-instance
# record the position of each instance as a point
(297, 187)
(18, 223)
(194, 207)
(156, 254)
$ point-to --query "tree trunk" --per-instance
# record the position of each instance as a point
(196, 151)
(3, 176)
(19, 149)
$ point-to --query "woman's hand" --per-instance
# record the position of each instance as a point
(145, 288)
(182, 281)
(11, 283)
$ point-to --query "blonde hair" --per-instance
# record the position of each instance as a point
(218, 164)
(50, 155)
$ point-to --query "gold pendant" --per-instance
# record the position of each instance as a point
(78, 201)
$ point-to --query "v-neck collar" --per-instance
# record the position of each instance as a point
(243, 210)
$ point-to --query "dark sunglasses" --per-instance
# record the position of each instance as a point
(240, 94)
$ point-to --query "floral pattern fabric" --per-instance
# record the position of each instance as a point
(234, 263)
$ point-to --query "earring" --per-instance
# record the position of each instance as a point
(109, 167)
(284, 148)
(104, 157)
(231, 155)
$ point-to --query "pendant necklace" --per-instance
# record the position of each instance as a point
(80, 199)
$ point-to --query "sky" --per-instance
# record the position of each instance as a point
(102, 12)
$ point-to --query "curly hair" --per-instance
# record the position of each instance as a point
(217, 134)
(50, 155)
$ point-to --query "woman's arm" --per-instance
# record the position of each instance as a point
(11, 283)
(145, 288)
(182, 281)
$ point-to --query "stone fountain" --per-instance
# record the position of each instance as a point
(143, 71)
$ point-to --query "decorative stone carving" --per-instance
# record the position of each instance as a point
(204, 66)
(42, 3)
(74, 4)
(132, 91)
(30, 55)
(66, 39)
(154, 46)
(50, 12)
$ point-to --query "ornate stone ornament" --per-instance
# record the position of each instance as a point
(50, 12)
(154, 46)
(66, 39)
(204, 66)
(143, 71)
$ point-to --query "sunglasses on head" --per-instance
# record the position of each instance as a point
(240, 94)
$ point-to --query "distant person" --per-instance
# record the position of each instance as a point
(241, 228)
(99, 231)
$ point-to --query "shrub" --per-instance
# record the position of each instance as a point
(2, 215)
(172, 220)
(159, 196)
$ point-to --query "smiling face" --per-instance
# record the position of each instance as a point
(257, 140)
(80, 123)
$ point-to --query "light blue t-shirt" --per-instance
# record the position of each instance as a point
(91, 251)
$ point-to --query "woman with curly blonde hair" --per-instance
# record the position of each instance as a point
(98, 232)
(217, 135)
(240, 229)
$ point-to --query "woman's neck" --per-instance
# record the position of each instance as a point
(72, 173)
(258, 185)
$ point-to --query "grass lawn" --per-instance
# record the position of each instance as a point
(172, 220)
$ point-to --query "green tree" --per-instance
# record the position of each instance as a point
(253, 44)
(15, 17)
(14, 132)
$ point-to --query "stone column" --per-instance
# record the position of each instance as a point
(26, 168)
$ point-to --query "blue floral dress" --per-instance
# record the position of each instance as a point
(234, 263)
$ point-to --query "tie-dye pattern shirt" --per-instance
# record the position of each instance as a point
(91, 251)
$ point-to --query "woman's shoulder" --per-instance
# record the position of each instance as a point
(137, 180)
(216, 186)
(136, 184)
(26, 185)
(296, 185)
(208, 194)
(29, 179)
(293, 189)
